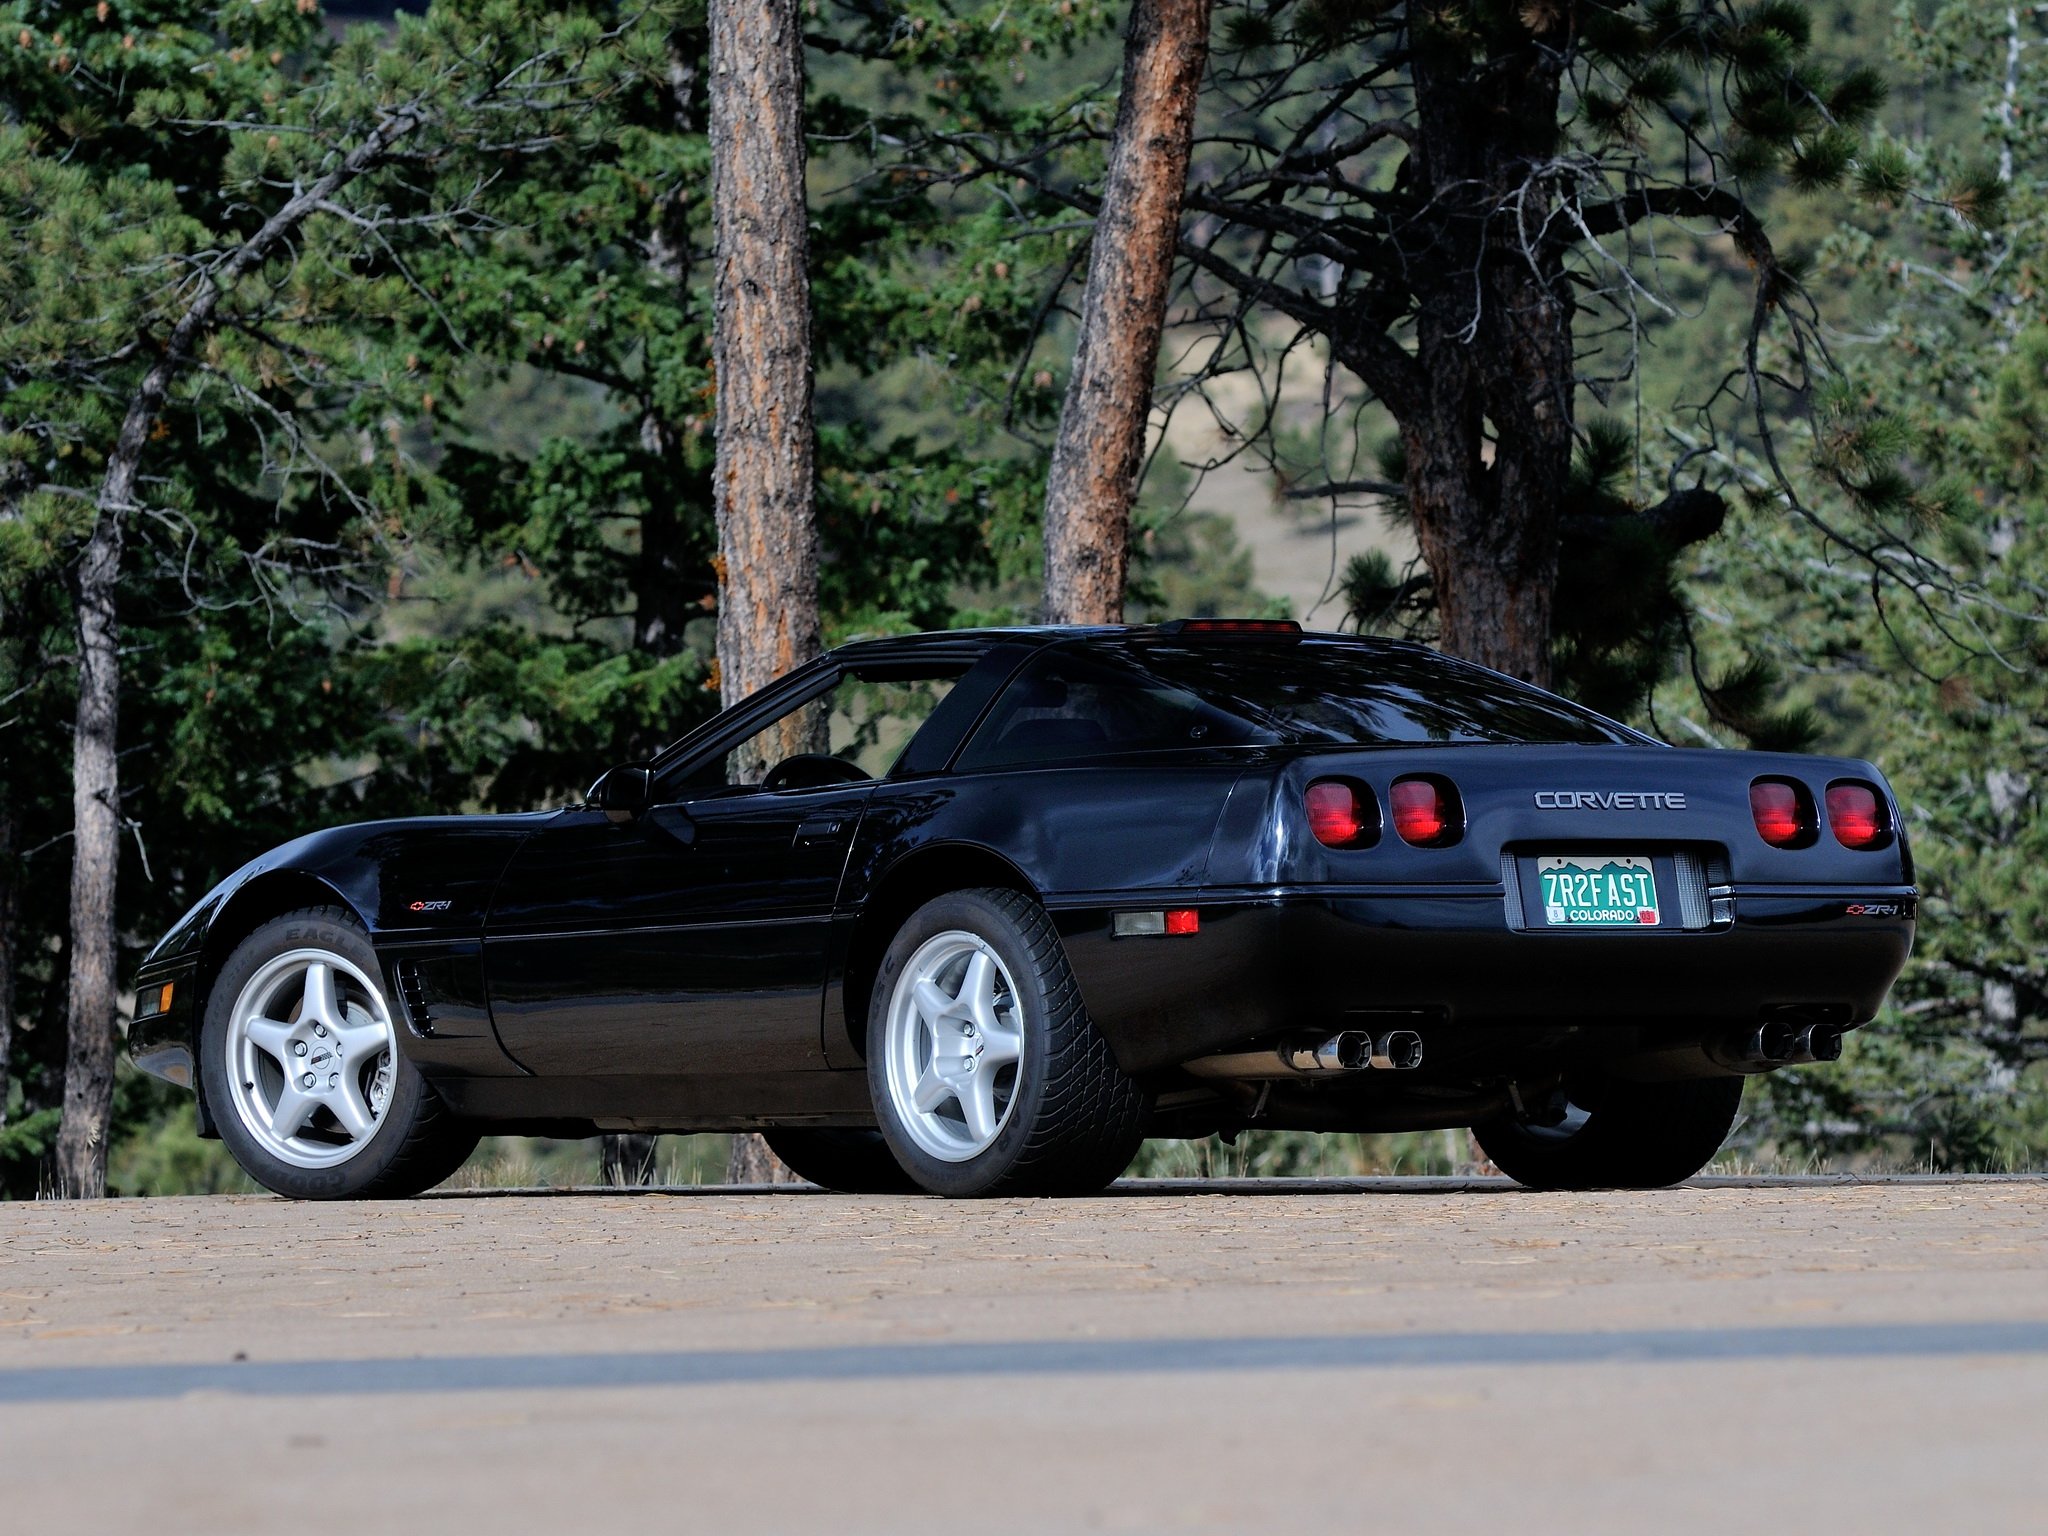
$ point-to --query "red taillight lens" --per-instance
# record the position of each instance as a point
(1183, 920)
(1857, 815)
(1779, 809)
(1338, 814)
(1425, 812)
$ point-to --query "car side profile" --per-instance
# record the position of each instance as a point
(975, 913)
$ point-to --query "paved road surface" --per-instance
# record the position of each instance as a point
(1420, 1356)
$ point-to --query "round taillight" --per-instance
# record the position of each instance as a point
(1857, 816)
(1425, 812)
(1780, 810)
(1341, 814)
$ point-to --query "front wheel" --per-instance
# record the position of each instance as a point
(1617, 1135)
(301, 1066)
(988, 1076)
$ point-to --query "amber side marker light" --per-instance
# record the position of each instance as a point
(1857, 816)
(155, 1000)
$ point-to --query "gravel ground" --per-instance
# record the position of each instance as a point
(1412, 1353)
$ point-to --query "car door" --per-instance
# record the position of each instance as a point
(690, 940)
(689, 937)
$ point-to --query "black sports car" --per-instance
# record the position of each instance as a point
(975, 913)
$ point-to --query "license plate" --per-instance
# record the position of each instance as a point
(1598, 891)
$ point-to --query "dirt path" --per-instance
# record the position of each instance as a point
(1408, 1355)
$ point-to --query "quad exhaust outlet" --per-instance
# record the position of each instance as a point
(1778, 1043)
(1349, 1050)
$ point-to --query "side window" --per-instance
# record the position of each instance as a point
(1073, 704)
(861, 724)
(804, 730)
(872, 720)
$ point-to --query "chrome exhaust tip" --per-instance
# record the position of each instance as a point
(1398, 1050)
(1777, 1043)
(1349, 1050)
(1816, 1042)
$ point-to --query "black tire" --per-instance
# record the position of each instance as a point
(1632, 1136)
(417, 1141)
(850, 1162)
(1075, 1118)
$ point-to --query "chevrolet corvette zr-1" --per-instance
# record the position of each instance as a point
(975, 913)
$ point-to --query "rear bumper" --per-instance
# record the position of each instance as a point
(1281, 960)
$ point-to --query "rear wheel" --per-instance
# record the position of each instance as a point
(1616, 1135)
(852, 1162)
(988, 1076)
(301, 1066)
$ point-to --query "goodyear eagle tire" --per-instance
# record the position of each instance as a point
(988, 1076)
(1619, 1135)
(300, 1062)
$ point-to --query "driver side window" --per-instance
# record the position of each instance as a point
(805, 730)
(862, 724)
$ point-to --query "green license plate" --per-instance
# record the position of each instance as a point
(1598, 891)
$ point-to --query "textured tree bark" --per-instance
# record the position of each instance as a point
(764, 484)
(95, 847)
(1489, 438)
(1100, 448)
(750, 1162)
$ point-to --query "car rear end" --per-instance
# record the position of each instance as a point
(1513, 880)
(1655, 896)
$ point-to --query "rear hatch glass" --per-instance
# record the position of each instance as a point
(1116, 696)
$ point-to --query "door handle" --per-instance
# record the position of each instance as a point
(820, 829)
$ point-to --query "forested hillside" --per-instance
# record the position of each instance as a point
(427, 522)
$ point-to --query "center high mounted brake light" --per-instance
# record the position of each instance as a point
(1285, 629)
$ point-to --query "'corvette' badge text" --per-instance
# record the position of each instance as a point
(1609, 800)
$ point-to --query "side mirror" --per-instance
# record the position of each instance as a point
(623, 793)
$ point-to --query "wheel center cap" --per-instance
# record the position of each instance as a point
(323, 1060)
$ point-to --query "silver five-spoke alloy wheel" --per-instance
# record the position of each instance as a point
(309, 1062)
(955, 1043)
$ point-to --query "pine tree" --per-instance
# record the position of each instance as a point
(267, 190)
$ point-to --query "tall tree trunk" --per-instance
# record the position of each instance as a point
(764, 485)
(96, 838)
(1489, 442)
(750, 1162)
(95, 766)
(1100, 449)
(10, 914)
